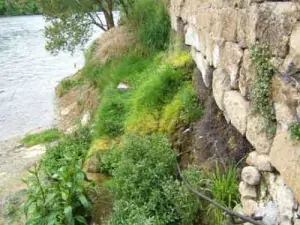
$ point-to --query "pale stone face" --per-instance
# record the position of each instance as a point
(221, 83)
(237, 108)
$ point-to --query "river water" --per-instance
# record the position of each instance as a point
(28, 75)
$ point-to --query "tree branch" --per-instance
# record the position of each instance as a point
(100, 25)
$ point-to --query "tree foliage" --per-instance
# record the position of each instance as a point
(18, 7)
(69, 22)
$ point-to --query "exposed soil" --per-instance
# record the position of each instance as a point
(210, 140)
(72, 105)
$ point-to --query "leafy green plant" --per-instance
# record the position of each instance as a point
(262, 92)
(75, 146)
(61, 200)
(152, 22)
(43, 137)
(144, 183)
(224, 190)
(294, 129)
(111, 113)
(183, 109)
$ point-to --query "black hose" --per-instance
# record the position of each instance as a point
(227, 211)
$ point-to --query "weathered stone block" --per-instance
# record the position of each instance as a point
(224, 24)
(285, 157)
(231, 56)
(221, 84)
(203, 66)
(247, 75)
(251, 175)
(257, 134)
(192, 38)
(249, 206)
(236, 107)
(247, 191)
(275, 24)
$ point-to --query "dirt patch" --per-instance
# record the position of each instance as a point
(74, 104)
(210, 139)
(114, 43)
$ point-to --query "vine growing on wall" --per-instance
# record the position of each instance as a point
(262, 91)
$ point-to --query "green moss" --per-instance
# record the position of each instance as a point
(43, 137)
(262, 91)
(294, 129)
(183, 109)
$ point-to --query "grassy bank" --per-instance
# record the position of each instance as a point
(129, 139)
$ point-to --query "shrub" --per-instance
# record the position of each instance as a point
(75, 146)
(43, 137)
(61, 200)
(152, 23)
(111, 113)
(144, 183)
(295, 131)
(262, 92)
(183, 109)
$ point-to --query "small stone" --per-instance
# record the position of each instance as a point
(251, 159)
(251, 175)
(86, 119)
(123, 87)
(249, 206)
(247, 191)
(297, 222)
(263, 163)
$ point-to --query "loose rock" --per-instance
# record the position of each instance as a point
(251, 175)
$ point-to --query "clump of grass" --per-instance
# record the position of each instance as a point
(262, 92)
(43, 137)
(111, 113)
(183, 109)
(294, 129)
(224, 190)
(152, 22)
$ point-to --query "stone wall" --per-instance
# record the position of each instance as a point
(220, 34)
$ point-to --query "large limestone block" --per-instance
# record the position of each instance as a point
(257, 134)
(285, 157)
(247, 75)
(236, 108)
(295, 45)
(275, 24)
(246, 26)
(231, 56)
(194, 39)
(224, 24)
(221, 84)
(203, 66)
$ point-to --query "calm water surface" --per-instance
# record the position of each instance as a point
(28, 75)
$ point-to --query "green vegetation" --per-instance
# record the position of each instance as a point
(183, 109)
(143, 194)
(111, 113)
(294, 129)
(43, 137)
(262, 92)
(153, 22)
(57, 187)
(224, 190)
(18, 7)
(74, 146)
(130, 133)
